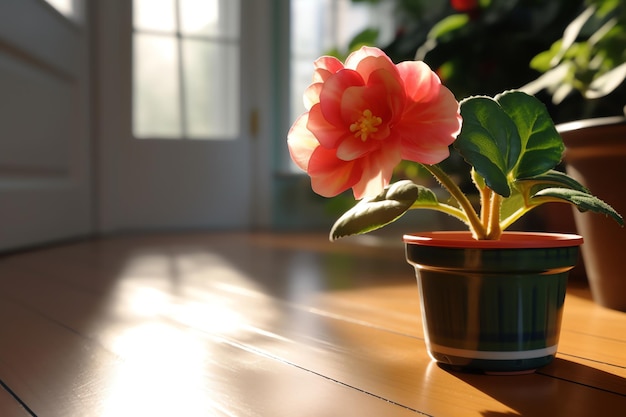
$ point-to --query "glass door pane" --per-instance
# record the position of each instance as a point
(211, 74)
(156, 110)
(186, 69)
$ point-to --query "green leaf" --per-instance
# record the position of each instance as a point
(488, 141)
(542, 146)
(508, 138)
(368, 36)
(375, 212)
(448, 24)
(583, 201)
(426, 198)
(555, 178)
(543, 61)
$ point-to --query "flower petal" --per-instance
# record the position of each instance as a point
(329, 175)
(312, 95)
(420, 82)
(375, 64)
(391, 94)
(301, 142)
(427, 129)
(328, 135)
(357, 99)
(377, 170)
(332, 92)
(359, 55)
(352, 148)
(326, 66)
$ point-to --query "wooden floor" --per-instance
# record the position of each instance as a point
(263, 325)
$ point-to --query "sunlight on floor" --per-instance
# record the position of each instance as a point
(162, 373)
(167, 358)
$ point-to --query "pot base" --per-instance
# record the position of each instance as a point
(493, 366)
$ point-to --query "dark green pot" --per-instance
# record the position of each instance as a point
(492, 306)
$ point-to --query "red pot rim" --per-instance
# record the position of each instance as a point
(509, 240)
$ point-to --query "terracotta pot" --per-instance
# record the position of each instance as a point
(492, 306)
(595, 156)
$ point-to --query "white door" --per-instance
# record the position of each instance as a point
(165, 172)
(44, 125)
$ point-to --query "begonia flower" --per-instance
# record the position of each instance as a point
(365, 116)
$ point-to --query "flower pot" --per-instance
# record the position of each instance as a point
(492, 306)
(595, 155)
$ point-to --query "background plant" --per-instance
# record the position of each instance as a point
(573, 48)
(587, 65)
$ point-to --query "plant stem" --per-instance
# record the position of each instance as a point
(445, 208)
(485, 203)
(477, 228)
(493, 227)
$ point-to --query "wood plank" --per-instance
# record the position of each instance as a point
(10, 407)
(47, 365)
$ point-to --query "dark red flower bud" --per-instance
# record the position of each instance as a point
(464, 5)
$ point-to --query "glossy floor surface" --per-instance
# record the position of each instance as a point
(263, 325)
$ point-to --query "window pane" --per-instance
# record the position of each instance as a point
(156, 103)
(211, 77)
(154, 15)
(210, 17)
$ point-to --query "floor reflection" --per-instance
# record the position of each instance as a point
(170, 313)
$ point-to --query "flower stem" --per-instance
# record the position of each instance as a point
(445, 208)
(477, 228)
(494, 231)
(485, 201)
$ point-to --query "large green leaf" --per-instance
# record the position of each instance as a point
(507, 138)
(541, 144)
(373, 213)
(582, 200)
(488, 141)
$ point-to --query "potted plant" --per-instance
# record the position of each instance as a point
(595, 150)
(491, 299)
(583, 74)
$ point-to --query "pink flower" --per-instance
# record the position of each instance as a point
(364, 117)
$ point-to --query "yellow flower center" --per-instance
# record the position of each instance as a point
(366, 125)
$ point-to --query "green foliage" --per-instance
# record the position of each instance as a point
(589, 61)
(508, 138)
(364, 38)
(368, 36)
(568, 52)
(448, 25)
(373, 213)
